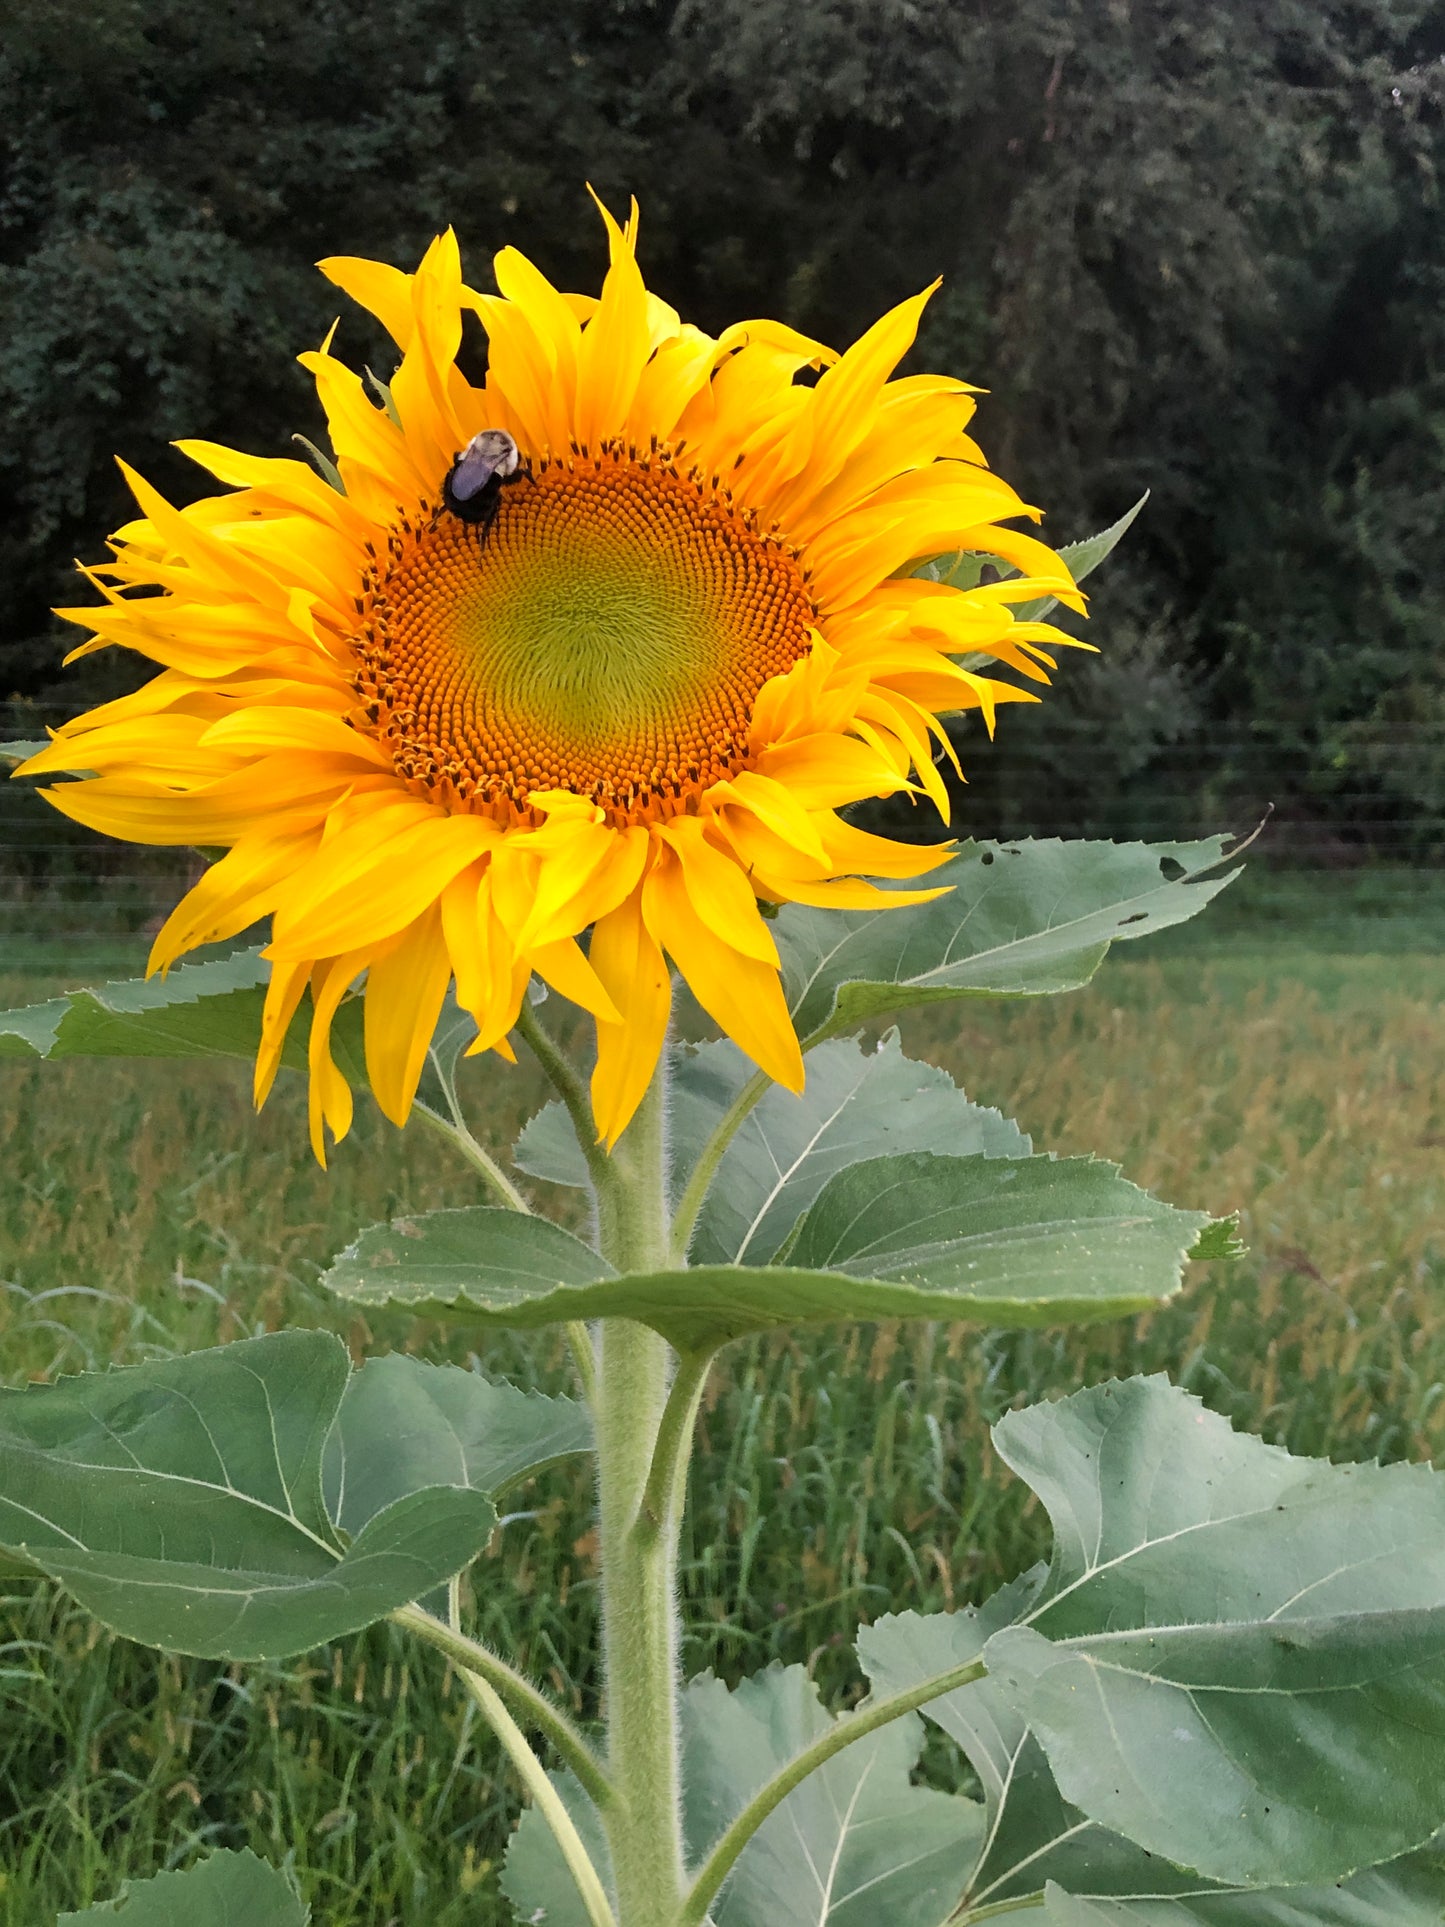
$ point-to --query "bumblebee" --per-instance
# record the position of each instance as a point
(474, 482)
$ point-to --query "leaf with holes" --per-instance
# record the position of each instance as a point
(224, 1890)
(1019, 920)
(181, 1502)
(1237, 1658)
(997, 1241)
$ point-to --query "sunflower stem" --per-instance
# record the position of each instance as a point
(639, 1557)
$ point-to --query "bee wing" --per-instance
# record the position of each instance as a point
(493, 452)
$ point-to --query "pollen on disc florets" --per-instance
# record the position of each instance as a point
(606, 633)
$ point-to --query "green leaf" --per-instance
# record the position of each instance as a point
(856, 1843)
(964, 568)
(1237, 1658)
(1033, 1834)
(996, 1241)
(1020, 920)
(860, 1101)
(535, 1877)
(200, 1010)
(405, 1425)
(858, 1104)
(18, 752)
(437, 1091)
(225, 1890)
(1409, 1892)
(180, 1502)
(214, 1010)
(1037, 1839)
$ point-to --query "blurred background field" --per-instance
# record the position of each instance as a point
(1282, 1057)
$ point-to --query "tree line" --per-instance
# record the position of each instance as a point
(1193, 249)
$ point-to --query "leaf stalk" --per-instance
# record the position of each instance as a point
(549, 1720)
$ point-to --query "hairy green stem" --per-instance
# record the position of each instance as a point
(563, 1078)
(857, 1726)
(724, 1131)
(640, 1639)
(584, 1357)
(460, 1138)
(549, 1720)
(662, 1497)
(545, 1798)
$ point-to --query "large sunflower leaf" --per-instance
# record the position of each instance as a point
(997, 1241)
(1237, 1657)
(858, 1104)
(200, 1010)
(404, 1425)
(181, 1502)
(1036, 1840)
(1019, 920)
(854, 1844)
(224, 1890)
(1409, 1892)
(213, 1009)
(1033, 1834)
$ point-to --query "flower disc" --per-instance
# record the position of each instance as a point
(605, 634)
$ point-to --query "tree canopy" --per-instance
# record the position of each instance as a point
(1192, 249)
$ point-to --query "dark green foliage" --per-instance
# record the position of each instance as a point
(1193, 249)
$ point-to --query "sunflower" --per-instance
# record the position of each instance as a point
(602, 645)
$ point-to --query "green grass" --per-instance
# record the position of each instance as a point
(1294, 1073)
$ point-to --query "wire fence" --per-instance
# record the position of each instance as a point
(1339, 842)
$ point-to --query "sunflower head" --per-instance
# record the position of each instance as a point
(595, 650)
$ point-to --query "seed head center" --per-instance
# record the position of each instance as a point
(606, 633)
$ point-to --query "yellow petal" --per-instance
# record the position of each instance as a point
(615, 345)
(563, 966)
(354, 891)
(283, 994)
(632, 968)
(404, 993)
(719, 891)
(233, 894)
(329, 1094)
(742, 994)
(383, 291)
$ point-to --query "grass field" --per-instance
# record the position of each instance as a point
(1288, 1063)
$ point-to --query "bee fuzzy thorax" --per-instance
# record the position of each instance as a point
(474, 482)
